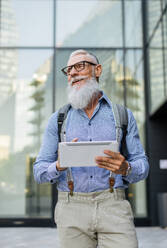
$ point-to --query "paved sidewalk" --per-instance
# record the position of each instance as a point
(149, 237)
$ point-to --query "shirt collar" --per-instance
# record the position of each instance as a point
(104, 98)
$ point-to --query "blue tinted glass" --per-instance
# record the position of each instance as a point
(88, 23)
(26, 23)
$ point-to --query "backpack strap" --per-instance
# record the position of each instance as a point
(62, 115)
(61, 120)
(121, 122)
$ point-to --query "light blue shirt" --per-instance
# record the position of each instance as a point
(101, 127)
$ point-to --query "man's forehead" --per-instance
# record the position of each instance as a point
(80, 57)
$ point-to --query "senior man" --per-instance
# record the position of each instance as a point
(93, 215)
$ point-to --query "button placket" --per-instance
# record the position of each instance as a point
(89, 131)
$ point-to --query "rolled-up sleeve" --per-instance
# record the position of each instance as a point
(45, 164)
(136, 155)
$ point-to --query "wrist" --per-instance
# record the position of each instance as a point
(128, 170)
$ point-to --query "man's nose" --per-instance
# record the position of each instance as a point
(73, 72)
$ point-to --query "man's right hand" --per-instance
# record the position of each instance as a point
(58, 166)
(58, 162)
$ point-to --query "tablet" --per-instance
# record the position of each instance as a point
(79, 154)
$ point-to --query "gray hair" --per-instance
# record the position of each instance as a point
(84, 52)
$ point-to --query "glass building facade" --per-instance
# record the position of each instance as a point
(157, 46)
(36, 38)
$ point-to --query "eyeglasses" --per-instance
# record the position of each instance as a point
(78, 67)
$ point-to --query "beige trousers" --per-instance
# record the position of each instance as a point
(99, 219)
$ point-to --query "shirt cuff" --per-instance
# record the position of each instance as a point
(53, 172)
(132, 176)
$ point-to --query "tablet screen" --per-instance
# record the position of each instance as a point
(80, 154)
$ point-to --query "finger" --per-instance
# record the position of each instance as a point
(112, 166)
(63, 168)
(109, 160)
(115, 155)
(112, 154)
(105, 167)
(75, 140)
(102, 159)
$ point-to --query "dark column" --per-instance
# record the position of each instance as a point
(157, 132)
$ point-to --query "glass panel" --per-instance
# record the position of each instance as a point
(156, 78)
(156, 40)
(8, 25)
(26, 23)
(165, 30)
(135, 86)
(154, 13)
(25, 105)
(164, 3)
(135, 101)
(137, 198)
(156, 69)
(111, 81)
(133, 24)
(165, 49)
(90, 23)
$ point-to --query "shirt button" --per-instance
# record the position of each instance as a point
(90, 140)
(91, 176)
(89, 124)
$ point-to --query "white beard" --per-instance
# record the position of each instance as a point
(79, 98)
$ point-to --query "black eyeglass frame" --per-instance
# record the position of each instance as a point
(65, 73)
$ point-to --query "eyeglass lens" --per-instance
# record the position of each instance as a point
(78, 67)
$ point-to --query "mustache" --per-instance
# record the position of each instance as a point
(77, 78)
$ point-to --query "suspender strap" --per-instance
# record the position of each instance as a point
(111, 182)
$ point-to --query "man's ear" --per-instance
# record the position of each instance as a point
(98, 70)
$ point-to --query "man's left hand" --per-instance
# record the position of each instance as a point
(114, 162)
